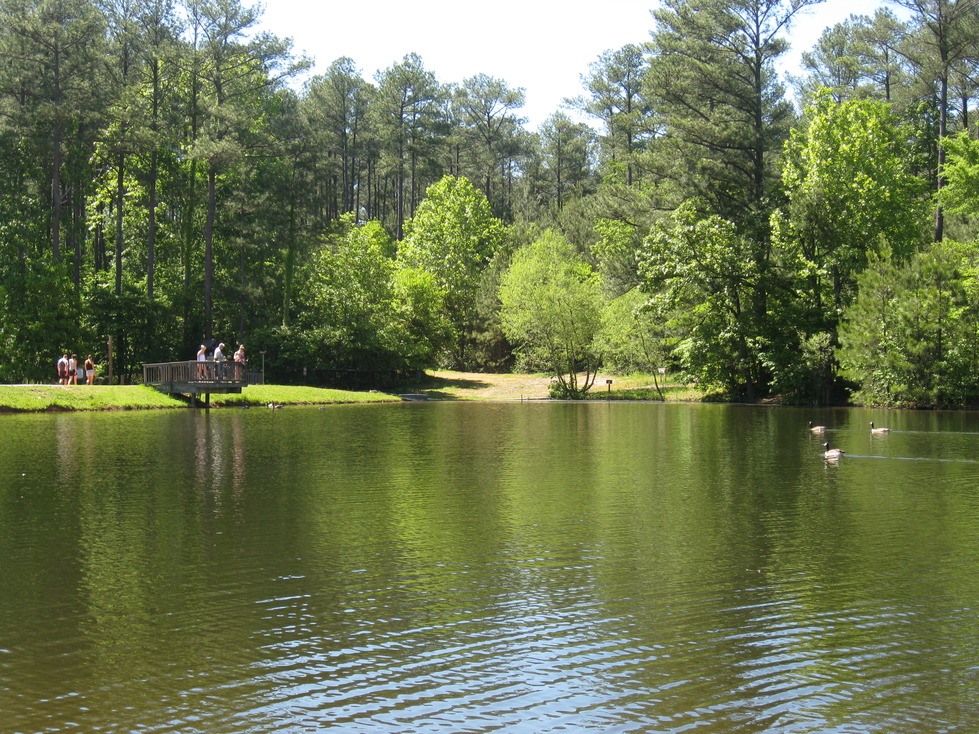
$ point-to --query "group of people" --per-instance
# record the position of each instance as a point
(219, 359)
(70, 371)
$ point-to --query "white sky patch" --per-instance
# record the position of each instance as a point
(542, 46)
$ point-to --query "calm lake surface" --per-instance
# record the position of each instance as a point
(470, 567)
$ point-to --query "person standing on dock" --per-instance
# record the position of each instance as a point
(201, 363)
(240, 362)
(219, 361)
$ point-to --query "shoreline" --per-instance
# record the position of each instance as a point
(438, 385)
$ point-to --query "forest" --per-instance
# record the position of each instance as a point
(166, 181)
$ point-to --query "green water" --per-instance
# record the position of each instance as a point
(470, 567)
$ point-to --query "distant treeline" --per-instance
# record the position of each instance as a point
(161, 183)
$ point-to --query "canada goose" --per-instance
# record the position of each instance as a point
(878, 430)
(832, 453)
(817, 429)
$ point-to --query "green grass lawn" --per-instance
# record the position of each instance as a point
(32, 398)
(298, 395)
(19, 398)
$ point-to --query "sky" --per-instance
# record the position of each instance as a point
(543, 46)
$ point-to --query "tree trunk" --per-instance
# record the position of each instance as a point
(942, 132)
(120, 198)
(151, 228)
(56, 193)
(209, 248)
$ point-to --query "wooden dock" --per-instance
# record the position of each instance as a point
(194, 378)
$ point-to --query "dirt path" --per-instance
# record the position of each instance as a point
(478, 386)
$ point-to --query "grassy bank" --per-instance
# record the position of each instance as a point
(35, 398)
(298, 395)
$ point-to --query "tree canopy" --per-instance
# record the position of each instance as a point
(165, 179)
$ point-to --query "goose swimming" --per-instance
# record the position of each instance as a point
(832, 453)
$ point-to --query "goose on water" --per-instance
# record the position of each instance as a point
(817, 429)
(878, 430)
(832, 453)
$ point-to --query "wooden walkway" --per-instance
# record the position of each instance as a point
(193, 378)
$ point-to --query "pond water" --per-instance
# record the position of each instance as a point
(464, 567)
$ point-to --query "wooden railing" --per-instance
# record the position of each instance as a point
(200, 377)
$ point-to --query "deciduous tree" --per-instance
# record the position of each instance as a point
(552, 309)
(453, 236)
(848, 178)
(701, 279)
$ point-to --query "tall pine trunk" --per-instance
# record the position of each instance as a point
(209, 248)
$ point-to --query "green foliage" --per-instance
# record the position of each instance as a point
(566, 149)
(851, 195)
(910, 337)
(850, 188)
(615, 252)
(419, 329)
(614, 84)
(348, 290)
(490, 348)
(490, 127)
(407, 113)
(551, 308)
(40, 319)
(701, 277)
(713, 86)
(804, 368)
(454, 236)
(137, 323)
(632, 338)
(961, 191)
(363, 310)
